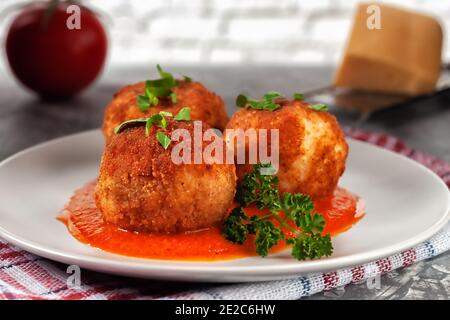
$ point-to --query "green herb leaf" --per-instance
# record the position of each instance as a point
(166, 114)
(143, 103)
(184, 114)
(163, 139)
(259, 189)
(298, 96)
(311, 223)
(148, 122)
(266, 103)
(151, 120)
(272, 95)
(262, 190)
(148, 125)
(298, 205)
(155, 89)
(162, 73)
(187, 79)
(234, 229)
(267, 235)
(160, 87)
(241, 101)
(125, 124)
(173, 96)
(319, 107)
(156, 118)
(162, 123)
(311, 247)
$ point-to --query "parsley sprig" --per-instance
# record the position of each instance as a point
(294, 212)
(266, 103)
(160, 121)
(159, 88)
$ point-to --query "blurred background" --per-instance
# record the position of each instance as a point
(210, 32)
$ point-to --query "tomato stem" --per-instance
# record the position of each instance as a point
(48, 13)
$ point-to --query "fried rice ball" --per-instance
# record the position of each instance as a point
(205, 105)
(141, 189)
(312, 146)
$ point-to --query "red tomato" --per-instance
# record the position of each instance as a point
(50, 58)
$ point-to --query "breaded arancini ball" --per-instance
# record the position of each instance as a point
(312, 146)
(205, 105)
(141, 189)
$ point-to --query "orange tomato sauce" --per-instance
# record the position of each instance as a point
(85, 223)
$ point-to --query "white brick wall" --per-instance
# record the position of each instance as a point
(233, 31)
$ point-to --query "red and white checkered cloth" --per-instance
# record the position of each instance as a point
(27, 276)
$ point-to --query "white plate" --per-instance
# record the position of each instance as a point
(406, 204)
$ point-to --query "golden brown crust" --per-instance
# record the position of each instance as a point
(205, 106)
(312, 146)
(141, 189)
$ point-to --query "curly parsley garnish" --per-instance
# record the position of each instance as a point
(286, 211)
(159, 88)
(266, 103)
(160, 121)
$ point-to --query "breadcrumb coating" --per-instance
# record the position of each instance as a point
(312, 146)
(205, 105)
(141, 189)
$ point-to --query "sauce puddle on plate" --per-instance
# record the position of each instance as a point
(341, 210)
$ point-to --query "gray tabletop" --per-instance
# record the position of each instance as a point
(424, 125)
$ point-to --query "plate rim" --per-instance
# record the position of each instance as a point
(156, 265)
